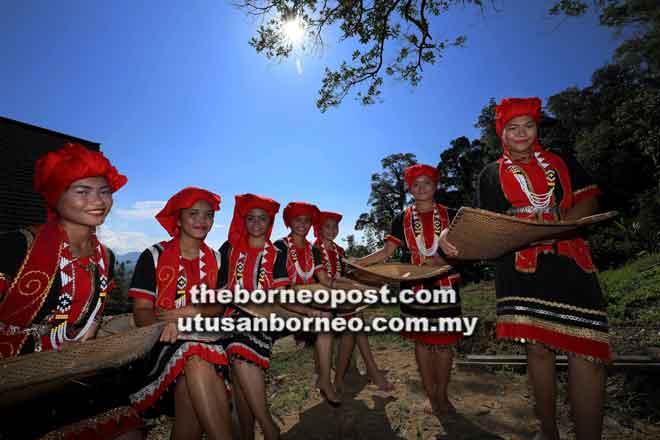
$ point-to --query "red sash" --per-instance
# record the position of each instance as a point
(172, 282)
(331, 260)
(415, 256)
(31, 286)
(578, 248)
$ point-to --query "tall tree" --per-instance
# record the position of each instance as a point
(388, 195)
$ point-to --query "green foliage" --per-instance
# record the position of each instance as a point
(388, 196)
(353, 249)
(633, 291)
(118, 301)
(394, 37)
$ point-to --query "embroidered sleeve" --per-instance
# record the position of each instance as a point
(223, 272)
(143, 284)
(396, 235)
(583, 185)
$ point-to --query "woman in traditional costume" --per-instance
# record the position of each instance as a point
(55, 278)
(417, 231)
(548, 295)
(189, 372)
(251, 261)
(304, 266)
(326, 229)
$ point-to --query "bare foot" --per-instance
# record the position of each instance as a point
(382, 383)
(328, 392)
(445, 407)
(439, 409)
(429, 408)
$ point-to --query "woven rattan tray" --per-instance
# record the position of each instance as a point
(481, 235)
(394, 272)
(29, 375)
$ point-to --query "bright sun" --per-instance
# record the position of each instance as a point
(294, 31)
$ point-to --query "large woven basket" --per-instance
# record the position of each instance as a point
(481, 235)
(27, 376)
(340, 309)
(379, 274)
(265, 310)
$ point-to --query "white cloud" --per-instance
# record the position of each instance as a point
(122, 242)
(146, 209)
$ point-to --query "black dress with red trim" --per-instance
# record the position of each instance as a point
(302, 265)
(69, 294)
(548, 293)
(407, 231)
(166, 361)
(252, 268)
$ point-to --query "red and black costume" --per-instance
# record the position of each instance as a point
(165, 278)
(418, 234)
(547, 293)
(251, 268)
(332, 255)
(47, 295)
(302, 263)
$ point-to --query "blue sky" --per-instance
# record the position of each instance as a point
(176, 97)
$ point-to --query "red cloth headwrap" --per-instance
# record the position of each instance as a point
(238, 234)
(296, 209)
(57, 170)
(414, 171)
(510, 108)
(184, 199)
(322, 217)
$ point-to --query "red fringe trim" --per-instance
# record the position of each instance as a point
(248, 355)
(195, 350)
(568, 343)
(434, 338)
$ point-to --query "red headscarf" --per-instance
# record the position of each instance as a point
(57, 170)
(296, 209)
(322, 217)
(510, 108)
(184, 199)
(414, 171)
(238, 234)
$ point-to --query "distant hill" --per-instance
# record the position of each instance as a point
(129, 259)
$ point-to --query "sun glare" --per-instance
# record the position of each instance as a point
(294, 31)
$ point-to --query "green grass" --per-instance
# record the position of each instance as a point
(633, 291)
(289, 380)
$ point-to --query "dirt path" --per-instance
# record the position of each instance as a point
(490, 406)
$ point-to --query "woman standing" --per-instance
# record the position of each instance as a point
(191, 372)
(417, 231)
(55, 278)
(326, 229)
(548, 295)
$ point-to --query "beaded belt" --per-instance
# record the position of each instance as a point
(530, 210)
